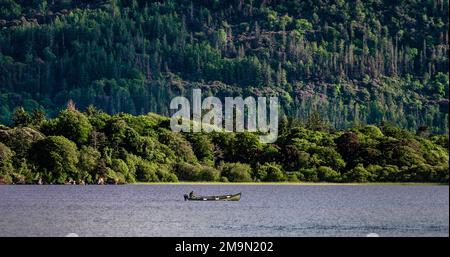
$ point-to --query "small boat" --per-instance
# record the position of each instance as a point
(235, 197)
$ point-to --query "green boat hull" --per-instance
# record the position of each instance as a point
(235, 197)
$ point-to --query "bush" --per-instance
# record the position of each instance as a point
(407, 154)
(260, 174)
(209, 174)
(294, 177)
(326, 156)
(5, 153)
(165, 175)
(120, 178)
(442, 174)
(272, 172)
(237, 172)
(146, 172)
(5, 178)
(328, 174)
(23, 174)
(112, 177)
(120, 134)
(442, 140)
(309, 174)
(88, 163)
(21, 118)
(348, 146)
(358, 174)
(9, 9)
(71, 124)
(377, 172)
(247, 147)
(187, 172)
(6, 167)
(371, 131)
(190, 172)
(57, 157)
(20, 140)
(120, 167)
(385, 173)
(420, 173)
(149, 148)
(179, 145)
(370, 155)
(202, 146)
(168, 177)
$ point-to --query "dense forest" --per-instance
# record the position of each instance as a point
(94, 147)
(351, 62)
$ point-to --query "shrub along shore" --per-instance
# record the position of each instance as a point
(96, 148)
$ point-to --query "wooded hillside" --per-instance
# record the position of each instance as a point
(353, 62)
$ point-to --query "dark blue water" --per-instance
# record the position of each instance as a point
(264, 210)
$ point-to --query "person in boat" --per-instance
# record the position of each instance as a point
(191, 194)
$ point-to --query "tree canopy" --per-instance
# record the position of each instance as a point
(350, 61)
(123, 148)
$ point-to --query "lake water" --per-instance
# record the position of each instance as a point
(264, 210)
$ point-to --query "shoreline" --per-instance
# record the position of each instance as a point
(295, 183)
(208, 183)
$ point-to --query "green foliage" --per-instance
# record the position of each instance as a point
(151, 149)
(9, 9)
(57, 158)
(328, 174)
(209, 174)
(146, 172)
(386, 173)
(5, 153)
(6, 168)
(358, 174)
(21, 118)
(294, 159)
(186, 171)
(165, 175)
(346, 63)
(23, 174)
(348, 144)
(295, 177)
(124, 149)
(439, 85)
(179, 145)
(202, 146)
(316, 123)
(246, 148)
(237, 172)
(20, 139)
(88, 163)
(309, 175)
(371, 131)
(37, 117)
(441, 140)
(196, 172)
(270, 172)
(120, 167)
(71, 124)
(326, 156)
